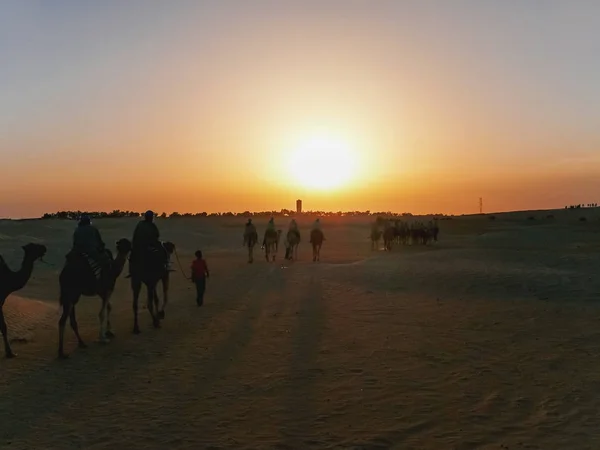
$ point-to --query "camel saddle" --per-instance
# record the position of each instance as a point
(93, 264)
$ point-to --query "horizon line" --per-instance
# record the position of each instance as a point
(74, 214)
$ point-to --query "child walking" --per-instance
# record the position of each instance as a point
(199, 275)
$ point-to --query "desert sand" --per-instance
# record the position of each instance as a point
(487, 339)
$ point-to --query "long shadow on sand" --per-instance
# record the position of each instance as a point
(304, 366)
(35, 398)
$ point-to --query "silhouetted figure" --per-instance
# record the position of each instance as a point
(250, 239)
(200, 274)
(146, 239)
(89, 244)
(78, 278)
(14, 281)
(292, 240)
(316, 239)
(271, 240)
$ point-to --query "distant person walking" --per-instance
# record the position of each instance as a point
(199, 275)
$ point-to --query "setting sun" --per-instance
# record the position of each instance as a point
(323, 162)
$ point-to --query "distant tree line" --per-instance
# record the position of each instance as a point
(74, 215)
(582, 205)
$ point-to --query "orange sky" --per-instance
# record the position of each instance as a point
(196, 107)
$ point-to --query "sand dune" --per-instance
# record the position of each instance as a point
(488, 339)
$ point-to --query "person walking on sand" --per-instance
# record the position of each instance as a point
(249, 231)
(199, 275)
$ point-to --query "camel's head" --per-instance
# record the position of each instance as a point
(34, 251)
(169, 247)
(123, 246)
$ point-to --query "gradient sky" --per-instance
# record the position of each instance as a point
(195, 105)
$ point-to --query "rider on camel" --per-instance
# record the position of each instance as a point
(270, 230)
(87, 241)
(146, 236)
(293, 226)
(316, 224)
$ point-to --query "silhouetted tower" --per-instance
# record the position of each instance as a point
(480, 205)
(299, 206)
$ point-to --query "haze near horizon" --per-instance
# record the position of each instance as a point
(349, 105)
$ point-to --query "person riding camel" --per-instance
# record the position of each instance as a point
(146, 236)
(316, 225)
(293, 228)
(88, 242)
(269, 231)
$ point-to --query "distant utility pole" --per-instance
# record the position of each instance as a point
(480, 205)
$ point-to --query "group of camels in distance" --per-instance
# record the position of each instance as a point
(400, 232)
(80, 277)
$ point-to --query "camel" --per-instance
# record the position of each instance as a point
(14, 281)
(250, 240)
(271, 244)
(149, 271)
(435, 229)
(78, 278)
(316, 239)
(375, 237)
(388, 237)
(292, 240)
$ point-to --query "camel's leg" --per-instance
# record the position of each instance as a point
(156, 301)
(109, 332)
(66, 312)
(136, 286)
(102, 317)
(75, 328)
(151, 299)
(165, 291)
(7, 350)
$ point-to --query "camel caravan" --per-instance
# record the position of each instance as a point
(403, 233)
(90, 268)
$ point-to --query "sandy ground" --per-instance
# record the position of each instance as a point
(488, 339)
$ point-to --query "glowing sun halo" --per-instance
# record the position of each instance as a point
(323, 162)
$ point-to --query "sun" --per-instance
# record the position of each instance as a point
(323, 162)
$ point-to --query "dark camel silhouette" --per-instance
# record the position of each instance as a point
(375, 238)
(388, 237)
(14, 281)
(149, 271)
(76, 279)
(250, 240)
(271, 244)
(316, 239)
(292, 239)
